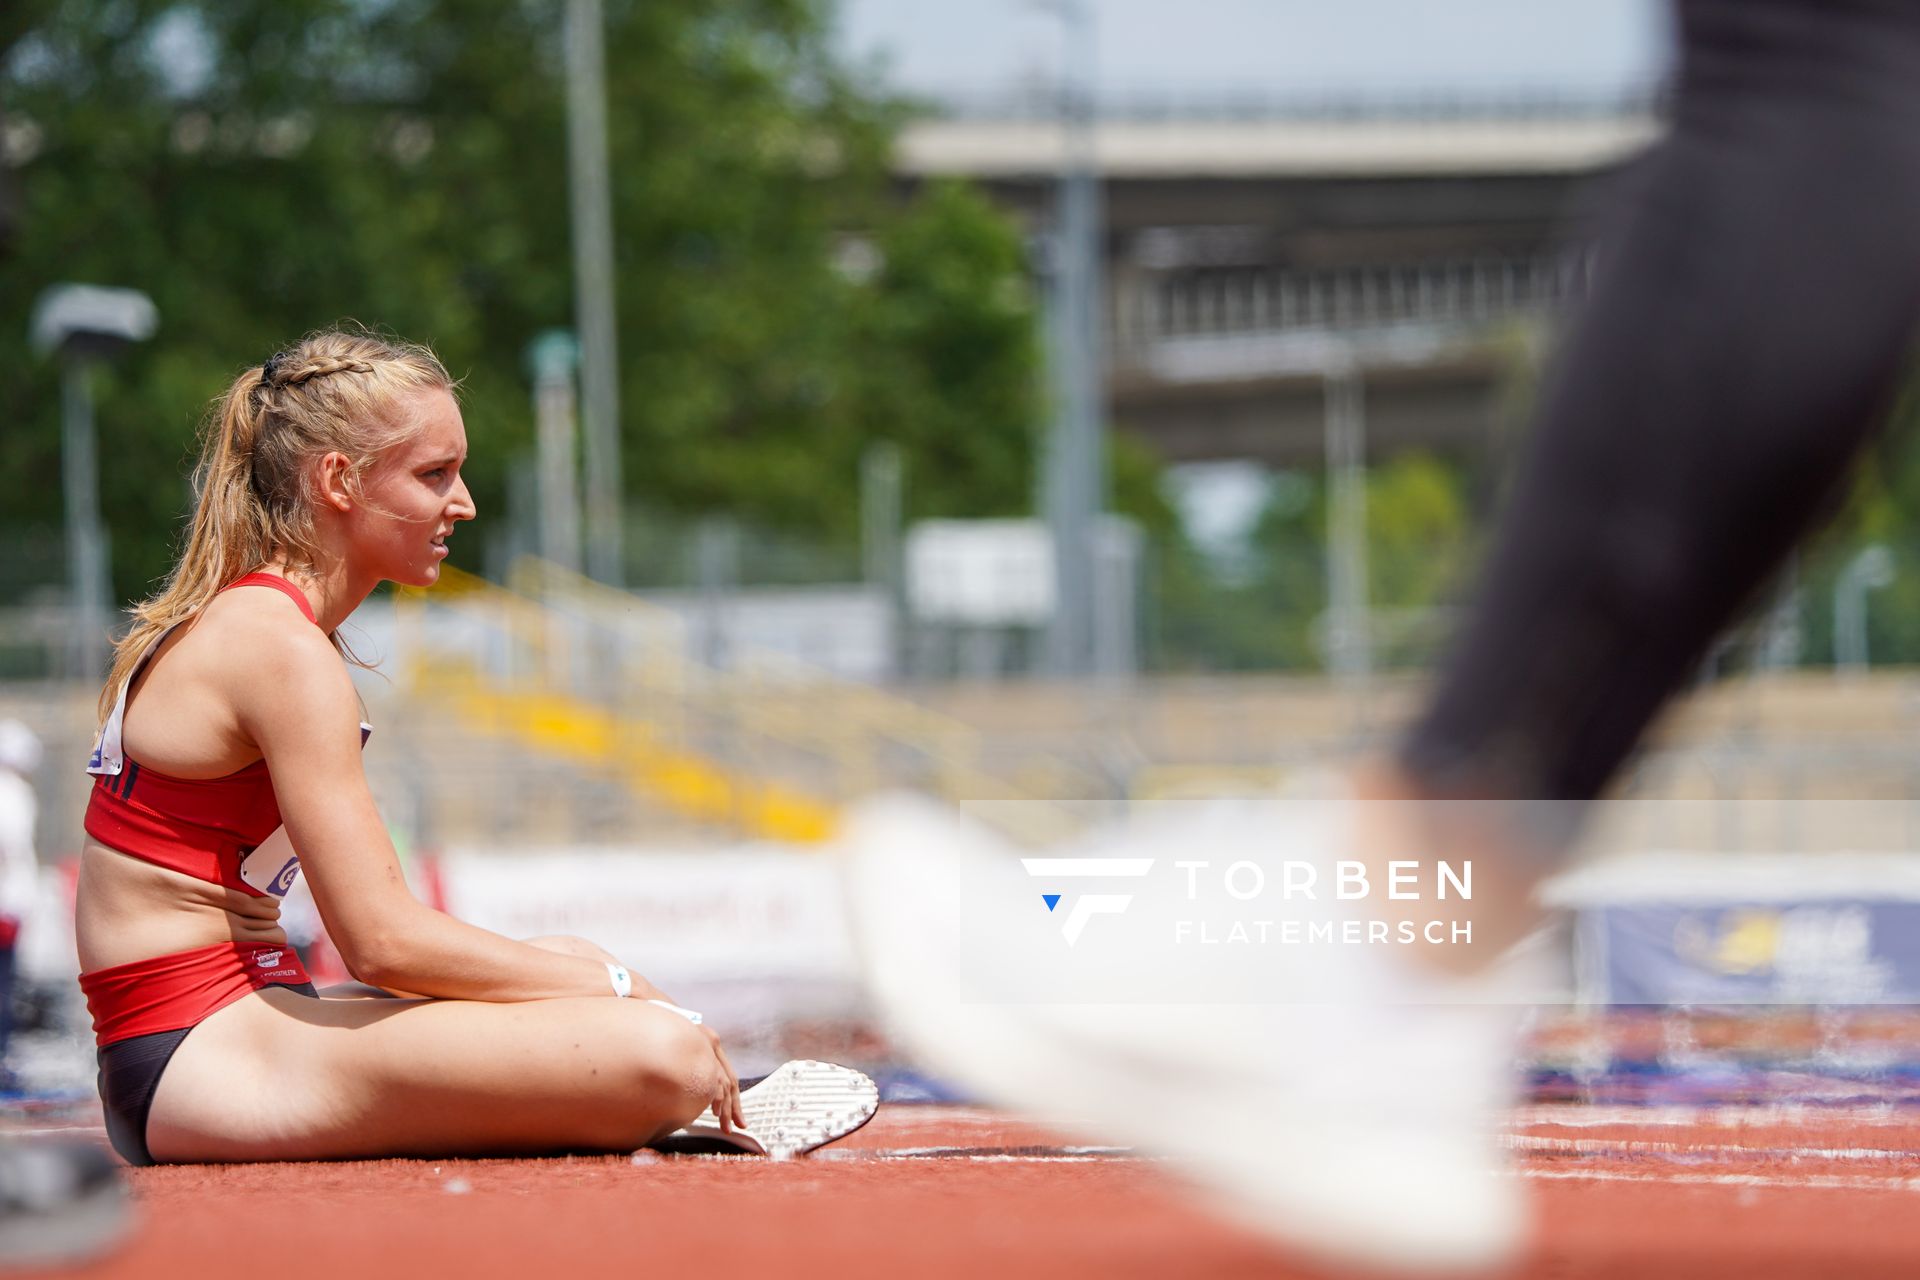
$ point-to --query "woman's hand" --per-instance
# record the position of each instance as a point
(567, 945)
(726, 1101)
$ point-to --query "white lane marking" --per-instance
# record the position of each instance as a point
(916, 1115)
(1640, 1146)
(1038, 1154)
(1811, 1182)
(1659, 1177)
(1013, 1159)
(1730, 1117)
(1053, 1155)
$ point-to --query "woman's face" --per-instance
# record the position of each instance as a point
(415, 496)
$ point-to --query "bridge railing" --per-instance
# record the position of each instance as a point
(1226, 302)
(1040, 101)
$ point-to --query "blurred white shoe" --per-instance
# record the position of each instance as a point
(1332, 1097)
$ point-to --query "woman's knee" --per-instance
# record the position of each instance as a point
(671, 1063)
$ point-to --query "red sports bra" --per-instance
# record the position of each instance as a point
(207, 828)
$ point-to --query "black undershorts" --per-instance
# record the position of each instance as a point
(130, 1072)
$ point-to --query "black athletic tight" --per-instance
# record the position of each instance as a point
(1755, 298)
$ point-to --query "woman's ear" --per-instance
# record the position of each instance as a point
(334, 470)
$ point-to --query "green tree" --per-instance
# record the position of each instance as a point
(265, 167)
(950, 319)
(1880, 504)
(1419, 545)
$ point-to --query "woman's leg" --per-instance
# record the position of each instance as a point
(1752, 317)
(282, 1076)
(1753, 313)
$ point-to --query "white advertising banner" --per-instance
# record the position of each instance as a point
(760, 918)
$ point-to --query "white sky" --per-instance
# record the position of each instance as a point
(1279, 46)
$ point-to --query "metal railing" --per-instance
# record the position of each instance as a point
(769, 746)
(1040, 101)
(1256, 302)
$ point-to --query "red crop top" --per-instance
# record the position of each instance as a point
(207, 828)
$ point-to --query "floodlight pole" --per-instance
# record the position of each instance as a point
(87, 548)
(591, 201)
(1870, 569)
(1349, 633)
(1073, 478)
(83, 325)
(553, 357)
(882, 493)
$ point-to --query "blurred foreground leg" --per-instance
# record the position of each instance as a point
(61, 1202)
(1753, 310)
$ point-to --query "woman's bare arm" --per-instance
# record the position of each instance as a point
(295, 699)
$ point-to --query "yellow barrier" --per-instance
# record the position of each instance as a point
(568, 728)
(848, 736)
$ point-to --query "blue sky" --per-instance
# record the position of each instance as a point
(1309, 46)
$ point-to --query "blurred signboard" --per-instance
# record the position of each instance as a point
(981, 573)
(1812, 953)
(1746, 929)
(706, 914)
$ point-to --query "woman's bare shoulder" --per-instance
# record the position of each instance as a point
(263, 647)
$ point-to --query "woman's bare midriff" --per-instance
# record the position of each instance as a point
(127, 910)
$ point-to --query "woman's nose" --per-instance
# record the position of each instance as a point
(463, 506)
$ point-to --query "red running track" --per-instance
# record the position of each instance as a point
(1751, 1193)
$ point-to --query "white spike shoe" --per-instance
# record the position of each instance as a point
(801, 1106)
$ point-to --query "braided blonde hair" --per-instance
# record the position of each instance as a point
(253, 488)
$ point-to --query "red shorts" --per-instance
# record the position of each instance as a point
(179, 990)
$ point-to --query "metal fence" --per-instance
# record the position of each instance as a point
(1846, 605)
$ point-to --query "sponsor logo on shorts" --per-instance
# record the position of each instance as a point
(268, 959)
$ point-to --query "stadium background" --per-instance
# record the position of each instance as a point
(853, 415)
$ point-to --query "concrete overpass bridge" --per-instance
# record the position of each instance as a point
(1252, 247)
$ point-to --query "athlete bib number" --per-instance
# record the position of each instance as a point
(270, 870)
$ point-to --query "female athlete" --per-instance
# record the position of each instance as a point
(229, 761)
